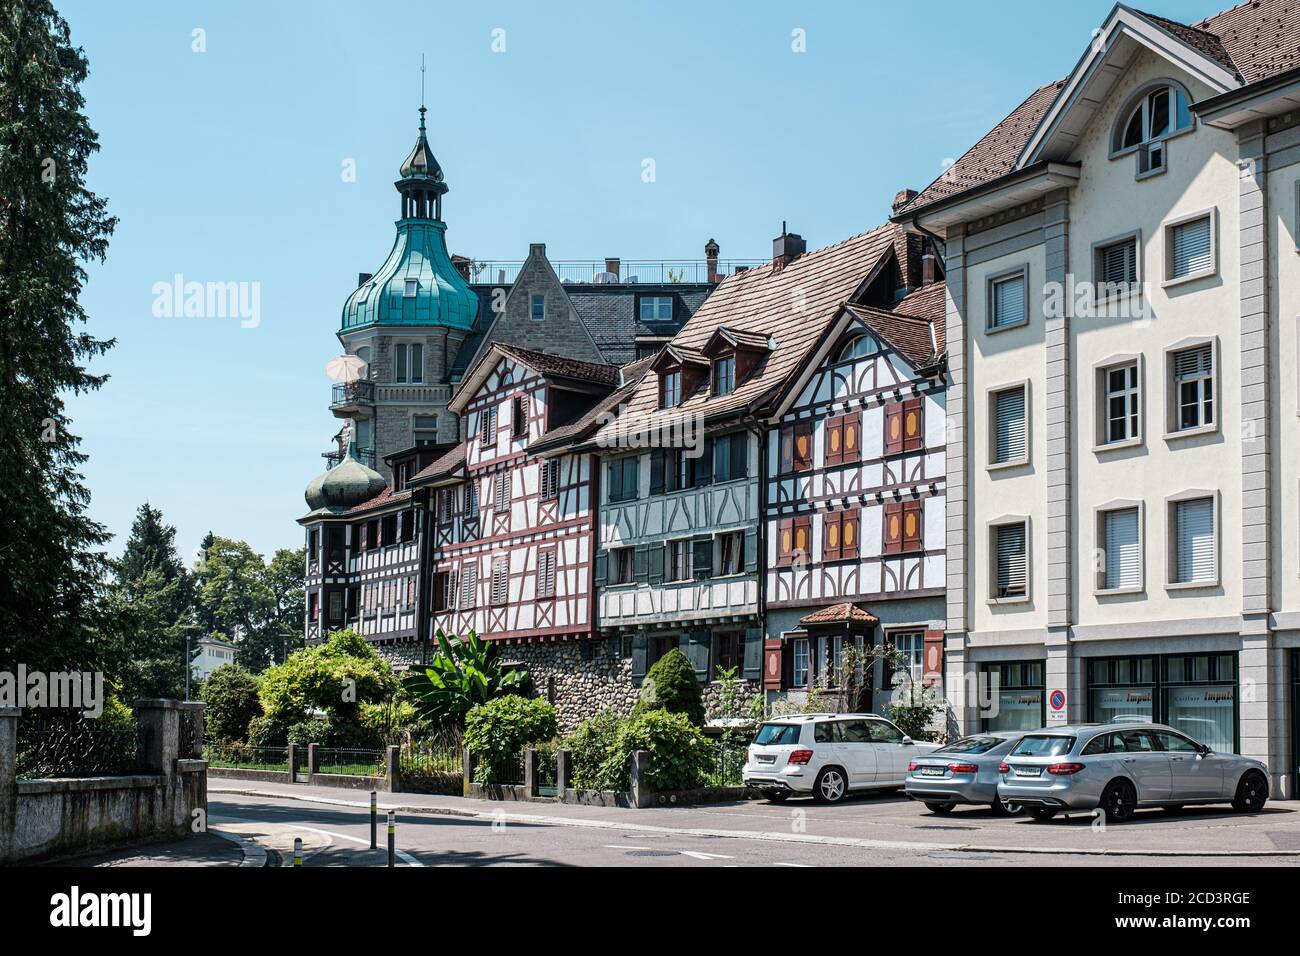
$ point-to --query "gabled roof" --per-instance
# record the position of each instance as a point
(793, 306)
(674, 354)
(566, 436)
(840, 613)
(908, 336)
(554, 367)
(449, 466)
(725, 336)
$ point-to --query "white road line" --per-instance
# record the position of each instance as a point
(803, 865)
(619, 846)
(402, 854)
(705, 856)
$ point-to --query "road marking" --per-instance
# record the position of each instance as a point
(405, 857)
(705, 856)
(803, 865)
(620, 846)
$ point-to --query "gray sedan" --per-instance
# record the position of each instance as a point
(1121, 767)
(965, 771)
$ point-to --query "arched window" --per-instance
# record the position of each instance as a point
(859, 346)
(1156, 113)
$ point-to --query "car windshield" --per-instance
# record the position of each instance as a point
(1043, 745)
(771, 734)
(971, 745)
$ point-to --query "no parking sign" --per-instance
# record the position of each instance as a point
(1056, 705)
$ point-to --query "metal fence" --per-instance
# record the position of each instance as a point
(546, 773)
(630, 271)
(504, 771)
(360, 763)
(726, 761)
(434, 766)
(243, 757)
(76, 750)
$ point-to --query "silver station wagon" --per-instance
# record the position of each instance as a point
(1121, 767)
(963, 772)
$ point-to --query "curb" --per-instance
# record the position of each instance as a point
(254, 855)
(767, 835)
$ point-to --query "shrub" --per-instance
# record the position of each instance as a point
(913, 709)
(671, 685)
(464, 673)
(333, 678)
(230, 693)
(498, 730)
(680, 757)
(589, 746)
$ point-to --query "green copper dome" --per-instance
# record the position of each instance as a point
(347, 484)
(417, 284)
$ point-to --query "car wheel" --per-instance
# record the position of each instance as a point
(1042, 813)
(1252, 792)
(831, 786)
(1118, 801)
(776, 796)
(939, 808)
(1003, 809)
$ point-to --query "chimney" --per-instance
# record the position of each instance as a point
(711, 250)
(786, 248)
(611, 265)
(927, 268)
(902, 198)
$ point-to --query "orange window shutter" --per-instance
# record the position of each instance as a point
(852, 430)
(849, 533)
(893, 428)
(913, 517)
(893, 528)
(834, 441)
(913, 424)
(785, 543)
(803, 446)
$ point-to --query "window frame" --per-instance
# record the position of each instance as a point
(992, 560)
(1138, 99)
(718, 378)
(643, 300)
(670, 387)
(737, 535)
(548, 480)
(615, 559)
(1171, 538)
(1099, 248)
(534, 300)
(796, 465)
(1172, 402)
(676, 548)
(990, 283)
(1101, 405)
(991, 396)
(1100, 517)
(1167, 228)
(622, 463)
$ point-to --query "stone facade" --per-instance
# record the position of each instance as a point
(581, 678)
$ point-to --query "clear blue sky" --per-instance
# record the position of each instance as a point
(226, 166)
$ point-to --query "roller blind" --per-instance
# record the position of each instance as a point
(1123, 561)
(1118, 263)
(1008, 301)
(1194, 521)
(1191, 248)
(1194, 363)
(1011, 560)
(1011, 435)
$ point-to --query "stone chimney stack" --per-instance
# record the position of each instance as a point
(786, 248)
(902, 198)
(711, 250)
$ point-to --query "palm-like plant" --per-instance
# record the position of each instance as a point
(464, 673)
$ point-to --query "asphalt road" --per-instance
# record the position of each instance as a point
(336, 835)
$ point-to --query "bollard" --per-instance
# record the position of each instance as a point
(374, 820)
(297, 851)
(392, 838)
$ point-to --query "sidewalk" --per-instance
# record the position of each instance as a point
(882, 822)
(202, 849)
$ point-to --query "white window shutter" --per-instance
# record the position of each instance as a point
(1012, 560)
(1194, 523)
(1012, 439)
(1191, 250)
(1123, 559)
(1008, 301)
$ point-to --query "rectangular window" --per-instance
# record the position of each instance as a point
(537, 305)
(730, 456)
(1008, 301)
(656, 308)
(670, 389)
(424, 430)
(408, 363)
(412, 287)
(910, 644)
(1194, 547)
(624, 477)
(731, 552)
(469, 585)
(728, 653)
(796, 447)
(843, 439)
(408, 526)
(471, 499)
(1121, 541)
(1010, 428)
(519, 416)
(372, 534)
(1190, 248)
(546, 573)
(622, 565)
(677, 560)
(903, 527)
(799, 672)
(500, 580)
(1116, 267)
(502, 493)
(550, 480)
(1120, 409)
(1010, 547)
(724, 375)
(487, 432)
(1193, 387)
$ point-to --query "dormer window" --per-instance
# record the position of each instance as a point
(412, 287)
(724, 375)
(656, 308)
(670, 389)
(1151, 119)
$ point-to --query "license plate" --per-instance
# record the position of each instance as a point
(766, 759)
(930, 771)
(1029, 771)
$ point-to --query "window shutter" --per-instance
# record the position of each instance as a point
(704, 464)
(722, 458)
(500, 580)
(632, 477)
(831, 535)
(803, 539)
(697, 652)
(932, 662)
(638, 659)
(913, 424)
(1008, 301)
(601, 567)
(893, 428)
(893, 529)
(469, 586)
(702, 556)
(641, 562)
(739, 455)
(852, 428)
(1194, 363)
(1191, 248)
(1123, 562)
(753, 653)
(1012, 566)
(849, 526)
(658, 467)
(1011, 433)
(803, 435)
(773, 663)
(785, 541)
(787, 449)
(835, 441)
(751, 553)
(659, 556)
(913, 520)
(1195, 544)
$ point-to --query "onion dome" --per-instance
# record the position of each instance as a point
(346, 485)
(418, 285)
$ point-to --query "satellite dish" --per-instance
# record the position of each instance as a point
(345, 368)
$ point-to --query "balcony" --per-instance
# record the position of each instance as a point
(630, 272)
(364, 455)
(353, 399)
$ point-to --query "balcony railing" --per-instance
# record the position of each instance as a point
(364, 455)
(352, 394)
(631, 271)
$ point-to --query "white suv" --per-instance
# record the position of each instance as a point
(827, 755)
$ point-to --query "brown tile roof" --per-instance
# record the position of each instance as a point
(586, 424)
(442, 467)
(1258, 39)
(910, 337)
(792, 305)
(838, 613)
(382, 500)
(562, 367)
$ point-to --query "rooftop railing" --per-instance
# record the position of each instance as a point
(631, 271)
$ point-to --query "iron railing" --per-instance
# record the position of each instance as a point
(359, 392)
(364, 455)
(243, 757)
(726, 763)
(360, 763)
(631, 271)
(76, 750)
(503, 771)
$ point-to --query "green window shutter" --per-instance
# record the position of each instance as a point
(632, 479)
(753, 653)
(697, 652)
(751, 551)
(615, 473)
(657, 463)
(641, 562)
(702, 557)
(722, 458)
(658, 561)
(638, 659)
(704, 465)
(602, 567)
(739, 455)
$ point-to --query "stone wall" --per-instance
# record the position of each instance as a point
(581, 678)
